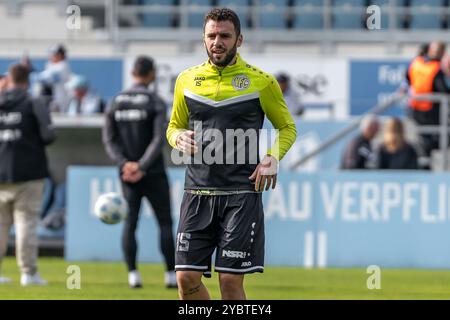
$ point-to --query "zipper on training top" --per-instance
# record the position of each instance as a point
(218, 83)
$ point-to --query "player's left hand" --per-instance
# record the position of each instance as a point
(265, 173)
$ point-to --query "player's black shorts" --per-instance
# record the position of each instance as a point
(232, 224)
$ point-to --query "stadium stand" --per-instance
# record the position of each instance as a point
(158, 14)
(308, 14)
(273, 14)
(399, 14)
(197, 9)
(348, 14)
(242, 8)
(426, 14)
(315, 26)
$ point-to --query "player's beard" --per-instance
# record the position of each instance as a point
(226, 60)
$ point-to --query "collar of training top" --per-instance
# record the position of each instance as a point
(227, 69)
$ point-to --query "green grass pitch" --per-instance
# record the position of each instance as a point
(100, 280)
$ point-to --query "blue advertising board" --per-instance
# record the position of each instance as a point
(372, 81)
(340, 219)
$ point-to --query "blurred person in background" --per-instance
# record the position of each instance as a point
(291, 96)
(82, 100)
(358, 153)
(421, 55)
(53, 79)
(134, 137)
(3, 82)
(425, 76)
(25, 130)
(423, 50)
(395, 152)
(445, 64)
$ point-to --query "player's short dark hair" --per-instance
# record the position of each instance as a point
(19, 73)
(143, 65)
(223, 14)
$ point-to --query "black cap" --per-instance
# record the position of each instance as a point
(57, 49)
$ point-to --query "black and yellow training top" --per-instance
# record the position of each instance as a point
(234, 98)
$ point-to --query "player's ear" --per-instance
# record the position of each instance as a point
(240, 40)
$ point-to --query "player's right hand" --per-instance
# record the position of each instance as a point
(186, 142)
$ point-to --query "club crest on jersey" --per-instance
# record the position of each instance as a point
(240, 82)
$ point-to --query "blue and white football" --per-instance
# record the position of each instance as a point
(111, 208)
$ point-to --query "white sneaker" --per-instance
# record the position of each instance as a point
(5, 280)
(134, 279)
(29, 280)
(170, 279)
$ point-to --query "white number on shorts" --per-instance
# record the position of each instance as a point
(182, 241)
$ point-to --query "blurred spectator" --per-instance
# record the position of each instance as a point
(425, 76)
(421, 54)
(395, 152)
(3, 82)
(358, 154)
(25, 130)
(445, 65)
(291, 96)
(26, 61)
(82, 101)
(52, 80)
(423, 49)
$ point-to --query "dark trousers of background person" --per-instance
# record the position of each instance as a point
(155, 188)
(428, 142)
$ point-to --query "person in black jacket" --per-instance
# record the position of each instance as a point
(395, 152)
(358, 154)
(133, 136)
(25, 130)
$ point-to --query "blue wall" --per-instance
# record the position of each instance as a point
(351, 219)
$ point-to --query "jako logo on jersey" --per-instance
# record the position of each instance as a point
(198, 80)
(246, 264)
(240, 82)
(233, 254)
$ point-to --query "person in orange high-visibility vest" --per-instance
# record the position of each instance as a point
(425, 76)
